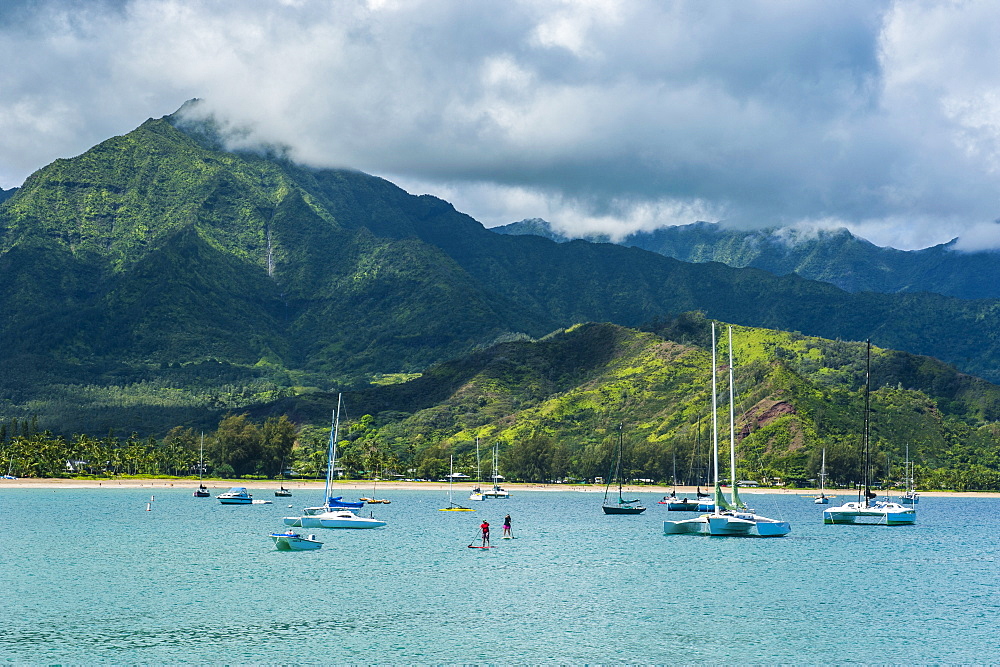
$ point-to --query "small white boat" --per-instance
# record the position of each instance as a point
(237, 495)
(333, 519)
(292, 541)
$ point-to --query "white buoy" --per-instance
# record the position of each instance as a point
(152, 498)
(149, 507)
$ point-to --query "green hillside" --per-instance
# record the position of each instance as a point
(555, 406)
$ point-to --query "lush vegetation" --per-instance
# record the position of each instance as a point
(237, 448)
(557, 407)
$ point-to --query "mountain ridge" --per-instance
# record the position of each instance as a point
(834, 256)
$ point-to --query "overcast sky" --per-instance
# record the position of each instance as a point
(595, 115)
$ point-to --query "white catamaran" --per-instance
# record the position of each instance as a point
(866, 509)
(732, 517)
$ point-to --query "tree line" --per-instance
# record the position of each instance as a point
(242, 448)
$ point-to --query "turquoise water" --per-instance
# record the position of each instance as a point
(89, 576)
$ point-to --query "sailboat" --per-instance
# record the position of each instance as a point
(910, 496)
(497, 491)
(822, 498)
(622, 506)
(452, 507)
(375, 500)
(477, 492)
(334, 512)
(866, 509)
(202, 490)
(282, 492)
(675, 504)
(731, 517)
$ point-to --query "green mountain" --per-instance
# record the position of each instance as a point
(555, 407)
(158, 280)
(836, 257)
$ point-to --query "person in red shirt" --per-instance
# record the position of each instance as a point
(485, 527)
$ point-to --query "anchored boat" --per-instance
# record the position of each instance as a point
(292, 541)
(732, 517)
(866, 509)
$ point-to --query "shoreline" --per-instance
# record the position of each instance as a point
(366, 486)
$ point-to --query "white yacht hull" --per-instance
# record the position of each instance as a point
(332, 520)
(881, 513)
(737, 524)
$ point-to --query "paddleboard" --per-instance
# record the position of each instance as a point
(472, 546)
(507, 537)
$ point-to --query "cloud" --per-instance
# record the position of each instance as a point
(599, 115)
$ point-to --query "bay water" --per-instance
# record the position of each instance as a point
(91, 576)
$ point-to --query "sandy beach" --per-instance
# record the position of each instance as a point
(365, 487)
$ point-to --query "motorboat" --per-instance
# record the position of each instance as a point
(237, 495)
(292, 541)
(334, 519)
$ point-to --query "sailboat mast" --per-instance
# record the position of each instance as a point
(618, 467)
(732, 424)
(866, 473)
(331, 454)
(201, 455)
(715, 420)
